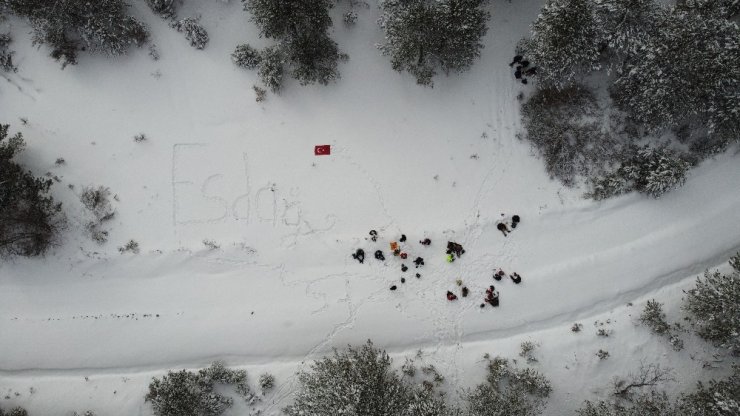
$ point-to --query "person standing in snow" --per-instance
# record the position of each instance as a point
(515, 221)
(516, 278)
(373, 235)
(451, 296)
(419, 262)
(359, 255)
(379, 255)
(517, 59)
(425, 242)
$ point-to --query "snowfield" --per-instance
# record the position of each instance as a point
(282, 289)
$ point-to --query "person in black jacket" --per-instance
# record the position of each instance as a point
(359, 255)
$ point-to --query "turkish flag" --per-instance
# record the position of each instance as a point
(321, 150)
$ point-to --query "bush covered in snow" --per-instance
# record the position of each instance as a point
(164, 8)
(194, 32)
(6, 55)
(654, 318)
(361, 382)
(16, 411)
(187, 393)
(563, 125)
(422, 35)
(646, 404)
(718, 398)
(714, 305)
(649, 170)
(509, 391)
(29, 218)
(69, 26)
(301, 30)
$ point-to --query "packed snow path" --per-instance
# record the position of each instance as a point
(442, 163)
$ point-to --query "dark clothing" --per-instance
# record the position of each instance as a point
(379, 255)
(393, 287)
(531, 71)
(418, 276)
(516, 278)
(403, 280)
(524, 64)
(451, 296)
(359, 255)
(403, 238)
(404, 268)
(373, 235)
(493, 301)
(419, 262)
(518, 74)
(515, 218)
(425, 242)
(517, 59)
(465, 292)
(524, 81)
(503, 228)
(455, 248)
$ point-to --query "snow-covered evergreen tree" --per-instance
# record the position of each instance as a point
(358, 381)
(655, 170)
(69, 26)
(718, 398)
(186, 393)
(164, 8)
(16, 411)
(6, 55)
(301, 29)
(509, 391)
(29, 218)
(688, 71)
(246, 56)
(715, 307)
(565, 42)
(626, 25)
(271, 68)
(715, 8)
(194, 32)
(647, 404)
(423, 35)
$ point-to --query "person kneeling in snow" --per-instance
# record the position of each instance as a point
(379, 255)
(425, 242)
(516, 278)
(419, 262)
(451, 296)
(503, 228)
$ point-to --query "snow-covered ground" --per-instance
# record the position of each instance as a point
(443, 163)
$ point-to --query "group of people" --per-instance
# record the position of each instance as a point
(523, 70)
(454, 250)
(503, 227)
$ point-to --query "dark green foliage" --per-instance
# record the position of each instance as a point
(301, 29)
(714, 8)
(565, 42)
(509, 391)
(423, 35)
(29, 218)
(718, 398)
(563, 125)
(16, 411)
(648, 404)
(361, 382)
(271, 68)
(164, 8)
(6, 55)
(245, 56)
(185, 393)
(715, 306)
(194, 32)
(649, 170)
(688, 71)
(68, 26)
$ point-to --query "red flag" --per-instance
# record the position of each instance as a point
(321, 150)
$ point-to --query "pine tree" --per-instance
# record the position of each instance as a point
(69, 26)
(655, 170)
(509, 391)
(626, 25)
(246, 56)
(565, 42)
(423, 35)
(30, 220)
(301, 29)
(194, 32)
(715, 306)
(271, 69)
(6, 55)
(164, 8)
(719, 398)
(646, 404)
(688, 71)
